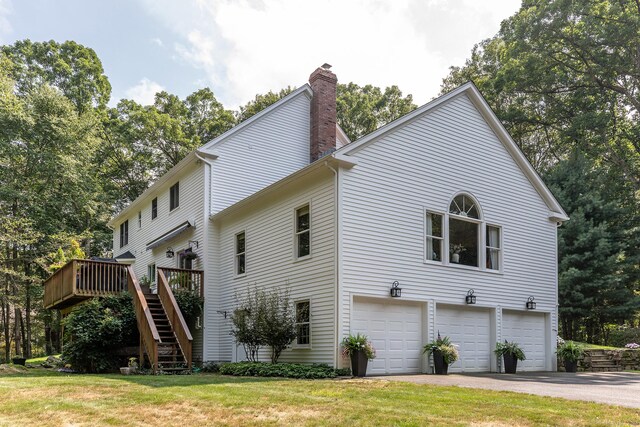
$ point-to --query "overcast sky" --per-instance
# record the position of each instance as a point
(240, 48)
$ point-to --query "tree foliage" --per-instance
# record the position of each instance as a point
(599, 249)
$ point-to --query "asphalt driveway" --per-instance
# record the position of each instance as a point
(616, 388)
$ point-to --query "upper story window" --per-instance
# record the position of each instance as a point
(174, 196)
(139, 219)
(303, 323)
(151, 273)
(154, 208)
(240, 259)
(303, 232)
(124, 233)
(461, 237)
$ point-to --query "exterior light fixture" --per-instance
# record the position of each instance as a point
(169, 252)
(470, 298)
(531, 304)
(396, 290)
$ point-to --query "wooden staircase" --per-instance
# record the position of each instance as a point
(170, 355)
(165, 338)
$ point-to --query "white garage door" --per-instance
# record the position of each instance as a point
(528, 330)
(395, 330)
(469, 328)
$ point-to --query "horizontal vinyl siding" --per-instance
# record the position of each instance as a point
(270, 263)
(269, 149)
(422, 165)
(191, 209)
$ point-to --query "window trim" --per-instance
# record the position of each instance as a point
(295, 308)
(124, 233)
(173, 206)
(236, 254)
(155, 272)
(426, 236)
(482, 237)
(154, 209)
(500, 248)
(296, 233)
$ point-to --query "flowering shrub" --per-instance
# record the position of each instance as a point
(632, 345)
(358, 342)
(559, 341)
(444, 346)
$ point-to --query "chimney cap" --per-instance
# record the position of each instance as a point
(326, 66)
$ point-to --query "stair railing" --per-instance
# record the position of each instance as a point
(178, 324)
(149, 335)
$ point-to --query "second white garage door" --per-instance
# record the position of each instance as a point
(469, 328)
(395, 330)
(528, 330)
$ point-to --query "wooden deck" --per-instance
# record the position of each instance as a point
(79, 280)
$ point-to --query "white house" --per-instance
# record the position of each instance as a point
(441, 202)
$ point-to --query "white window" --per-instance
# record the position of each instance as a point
(493, 248)
(434, 237)
(151, 273)
(240, 253)
(461, 237)
(124, 233)
(303, 232)
(174, 196)
(139, 220)
(303, 323)
(464, 231)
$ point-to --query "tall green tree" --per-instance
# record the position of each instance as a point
(599, 248)
(72, 68)
(363, 109)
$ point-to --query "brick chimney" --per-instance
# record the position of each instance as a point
(323, 112)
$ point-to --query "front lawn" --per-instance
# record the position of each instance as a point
(41, 398)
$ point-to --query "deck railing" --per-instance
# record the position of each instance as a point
(81, 279)
(149, 336)
(179, 278)
(178, 324)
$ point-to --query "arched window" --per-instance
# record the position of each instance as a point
(464, 231)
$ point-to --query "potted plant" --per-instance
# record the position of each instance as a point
(359, 349)
(444, 353)
(569, 353)
(455, 250)
(511, 353)
(132, 368)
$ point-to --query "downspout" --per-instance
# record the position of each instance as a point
(336, 251)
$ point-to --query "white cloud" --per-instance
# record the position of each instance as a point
(157, 41)
(144, 92)
(252, 46)
(5, 11)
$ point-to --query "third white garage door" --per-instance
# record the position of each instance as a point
(395, 329)
(469, 328)
(528, 330)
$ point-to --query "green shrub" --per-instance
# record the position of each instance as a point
(286, 370)
(210, 367)
(511, 348)
(570, 351)
(95, 330)
(622, 337)
(190, 304)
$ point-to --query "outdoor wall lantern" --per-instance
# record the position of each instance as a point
(531, 304)
(170, 252)
(470, 298)
(396, 290)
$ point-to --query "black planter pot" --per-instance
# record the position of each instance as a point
(571, 366)
(19, 361)
(439, 363)
(510, 363)
(359, 363)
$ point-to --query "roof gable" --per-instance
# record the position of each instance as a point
(471, 91)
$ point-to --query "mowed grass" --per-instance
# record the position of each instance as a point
(41, 398)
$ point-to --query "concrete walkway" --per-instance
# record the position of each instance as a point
(616, 388)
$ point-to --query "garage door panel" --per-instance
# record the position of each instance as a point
(469, 329)
(528, 330)
(395, 330)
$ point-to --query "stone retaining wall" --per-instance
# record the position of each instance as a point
(608, 360)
